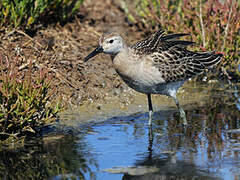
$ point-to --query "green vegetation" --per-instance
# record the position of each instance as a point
(213, 24)
(24, 100)
(26, 13)
(26, 96)
(47, 157)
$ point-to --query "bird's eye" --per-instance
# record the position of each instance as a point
(111, 41)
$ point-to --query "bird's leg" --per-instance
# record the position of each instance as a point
(181, 111)
(150, 109)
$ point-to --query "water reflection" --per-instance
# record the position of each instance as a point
(120, 147)
(207, 149)
(169, 167)
(212, 140)
(51, 157)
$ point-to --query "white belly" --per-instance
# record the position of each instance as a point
(142, 76)
(146, 87)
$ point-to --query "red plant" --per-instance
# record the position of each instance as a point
(213, 25)
(25, 100)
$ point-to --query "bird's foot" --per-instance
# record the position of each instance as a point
(183, 116)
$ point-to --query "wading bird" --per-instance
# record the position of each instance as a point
(159, 64)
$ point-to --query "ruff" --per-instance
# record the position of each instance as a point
(159, 64)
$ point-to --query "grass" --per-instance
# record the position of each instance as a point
(213, 25)
(25, 100)
(27, 13)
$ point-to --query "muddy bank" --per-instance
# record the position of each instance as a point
(192, 94)
(61, 49)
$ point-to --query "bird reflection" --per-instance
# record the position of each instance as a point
(163, 166)
(150, 141)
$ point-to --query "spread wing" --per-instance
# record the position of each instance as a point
(170, 56)
(178, 64)
(159, 42)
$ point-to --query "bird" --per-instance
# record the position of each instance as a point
(158, 64)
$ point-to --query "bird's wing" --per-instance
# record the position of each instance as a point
(170, 56)
(177, 63)
(159, 42)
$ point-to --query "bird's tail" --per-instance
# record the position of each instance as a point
(209, 59)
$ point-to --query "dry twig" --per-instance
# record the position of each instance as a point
(23, 33)
(227, 26)
(201, 23)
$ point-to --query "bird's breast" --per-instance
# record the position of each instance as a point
(138, 73)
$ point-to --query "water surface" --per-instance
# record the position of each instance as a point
(113, 143)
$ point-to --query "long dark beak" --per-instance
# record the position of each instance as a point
(98, 50)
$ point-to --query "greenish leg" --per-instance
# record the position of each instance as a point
(181, 111)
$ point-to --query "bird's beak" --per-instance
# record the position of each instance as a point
(98, 50)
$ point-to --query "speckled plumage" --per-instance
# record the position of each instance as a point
(159, 64)
(171, 57)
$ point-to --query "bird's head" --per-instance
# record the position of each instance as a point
(110, 43)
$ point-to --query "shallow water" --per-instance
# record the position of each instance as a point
(107, 144)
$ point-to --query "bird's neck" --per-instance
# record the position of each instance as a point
(124, 51)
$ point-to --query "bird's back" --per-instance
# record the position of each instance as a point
(161, 63)
(171, 57)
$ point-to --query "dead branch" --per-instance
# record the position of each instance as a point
(23, 33)
(201, 23)
(227, 26)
